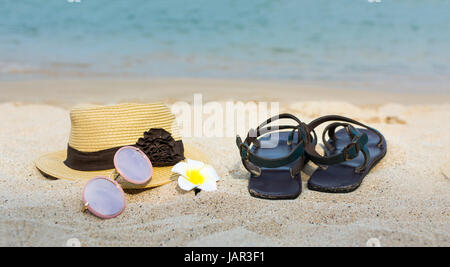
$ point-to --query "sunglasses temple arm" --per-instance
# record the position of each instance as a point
(85, 206)
(114, 174)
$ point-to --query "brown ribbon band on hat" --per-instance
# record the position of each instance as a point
(104, 159)
(90, 161)
(157, 144)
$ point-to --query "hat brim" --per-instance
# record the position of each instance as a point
(52, 164)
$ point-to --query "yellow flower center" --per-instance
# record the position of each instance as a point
(195, 177)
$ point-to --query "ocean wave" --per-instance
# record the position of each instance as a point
(19, 68)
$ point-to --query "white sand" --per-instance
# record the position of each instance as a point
(405, 200)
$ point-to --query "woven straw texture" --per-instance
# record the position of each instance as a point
(98, 128)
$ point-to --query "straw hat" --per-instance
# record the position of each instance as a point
(99, 129)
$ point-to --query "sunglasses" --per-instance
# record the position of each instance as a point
(103, 196)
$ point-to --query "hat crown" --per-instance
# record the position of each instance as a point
(102, 127)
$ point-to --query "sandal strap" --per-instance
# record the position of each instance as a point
(253, 162)
(351, 151)
(331, 130)
(313, 124)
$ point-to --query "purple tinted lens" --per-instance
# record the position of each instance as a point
(104, 197)
(133, 165)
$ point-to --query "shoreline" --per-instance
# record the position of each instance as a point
(67, 93)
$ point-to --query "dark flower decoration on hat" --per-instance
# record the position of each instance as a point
(161, 148)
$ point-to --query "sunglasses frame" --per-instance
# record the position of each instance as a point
(117, 174)
(86, 204)
(117, 170)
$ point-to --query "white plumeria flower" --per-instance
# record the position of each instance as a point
(196, 174)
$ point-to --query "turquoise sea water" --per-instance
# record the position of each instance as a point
(394, 45)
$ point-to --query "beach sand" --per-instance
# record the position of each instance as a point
(404, 201)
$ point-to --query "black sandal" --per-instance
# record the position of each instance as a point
(275, 170)
(350, 154)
